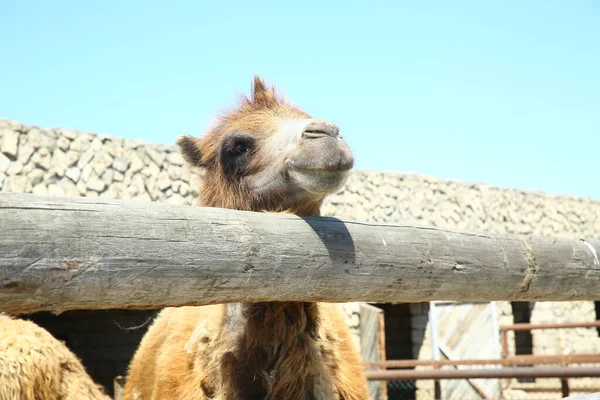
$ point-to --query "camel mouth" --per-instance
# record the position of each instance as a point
(321, 165)
(310, 169)
(319, 181)
(318, 162)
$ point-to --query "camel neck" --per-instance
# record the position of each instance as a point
(273, 339)
(269, 323)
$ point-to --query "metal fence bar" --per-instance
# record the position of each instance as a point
(437, 385)
(511, 372)
(512, 360)
(557, 325)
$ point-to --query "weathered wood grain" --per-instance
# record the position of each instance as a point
(81, 253)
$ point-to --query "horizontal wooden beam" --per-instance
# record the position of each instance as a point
(83, 253)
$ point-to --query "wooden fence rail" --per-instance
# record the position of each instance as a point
(83, 253)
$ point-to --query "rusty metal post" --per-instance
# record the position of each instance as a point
(504, 356)
(437, 385)
(504, 343)
(381, 337)
(382, 351)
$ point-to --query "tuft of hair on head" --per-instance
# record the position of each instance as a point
(263, 96)
(190, 149)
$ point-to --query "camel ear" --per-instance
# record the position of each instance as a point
(190, 149)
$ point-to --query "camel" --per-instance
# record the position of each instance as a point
(34, 366)
(265, 155)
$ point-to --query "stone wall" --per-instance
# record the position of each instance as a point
(66, 162)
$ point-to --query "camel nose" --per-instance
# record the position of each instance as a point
(320, 128)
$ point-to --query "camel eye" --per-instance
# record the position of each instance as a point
(235, 154)
(238, 144)
(240, 148)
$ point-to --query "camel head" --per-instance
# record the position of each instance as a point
(267, 155)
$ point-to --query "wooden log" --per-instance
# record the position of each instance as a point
(82, 253)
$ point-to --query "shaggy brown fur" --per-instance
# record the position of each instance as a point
(250, 351)
(36, 366)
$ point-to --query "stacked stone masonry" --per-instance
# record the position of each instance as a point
(60, 162)
(65, 162)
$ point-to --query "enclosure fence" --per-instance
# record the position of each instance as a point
(67, 253)
(514, 367)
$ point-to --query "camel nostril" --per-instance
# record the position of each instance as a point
(311, 134)
(320, 128)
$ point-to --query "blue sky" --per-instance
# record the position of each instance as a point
(506, 93)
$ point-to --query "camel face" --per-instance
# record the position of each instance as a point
(303, 160)
(316, 158)
(268, 155)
